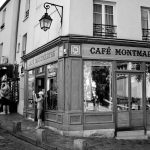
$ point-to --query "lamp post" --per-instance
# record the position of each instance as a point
(46, 20)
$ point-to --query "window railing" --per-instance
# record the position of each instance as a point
(102, 30)
(146, 34)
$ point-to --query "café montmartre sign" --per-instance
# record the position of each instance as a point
(117, 52)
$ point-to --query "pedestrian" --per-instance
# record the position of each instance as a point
(5, 95)
(39, 101)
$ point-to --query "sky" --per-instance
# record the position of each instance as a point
(1, 2)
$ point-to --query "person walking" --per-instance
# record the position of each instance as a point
(39, 101)
(5, 95)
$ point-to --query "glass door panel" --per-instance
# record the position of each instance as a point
(136, 100)
(129, 94)
(122, 81)
(122, 92)
(136, 91)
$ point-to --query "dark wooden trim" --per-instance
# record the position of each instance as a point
(144, 98)
(85, 40)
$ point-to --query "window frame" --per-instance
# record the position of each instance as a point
(52, 74)
(27, 8)
(97, 63)
(148, 18)
(103, 13)
(24, 44)
(145, 31)
(1, 50)
(3, 19)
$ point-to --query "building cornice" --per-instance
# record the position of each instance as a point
(86, 40)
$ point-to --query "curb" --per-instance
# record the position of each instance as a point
(20, 136)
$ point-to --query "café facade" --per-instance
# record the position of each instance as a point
(91, 86)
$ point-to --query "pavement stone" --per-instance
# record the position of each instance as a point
(1, 137)
(55, 140)
(28, 132)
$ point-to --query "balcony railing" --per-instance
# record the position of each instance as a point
(146, 34)
(102, 30)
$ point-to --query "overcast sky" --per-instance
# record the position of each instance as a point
(1, 2)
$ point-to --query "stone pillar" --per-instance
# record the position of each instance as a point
(79, 144)
(16, 126)
(41, 136)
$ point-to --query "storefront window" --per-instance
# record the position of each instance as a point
(97, 86)
(128, 66)
(148, 85)
(31, 82)
(40, 70)
(52, 87)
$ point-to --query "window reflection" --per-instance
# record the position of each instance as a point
(148, 85)
(136, 91)
(128, 66)
(31, 82)
(52, 87)
(97, 86)
(122, 92)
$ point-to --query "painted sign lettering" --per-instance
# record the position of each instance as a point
(115, 52)
(46, 57)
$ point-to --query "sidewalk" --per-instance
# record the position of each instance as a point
(54, 140)
(28, 132)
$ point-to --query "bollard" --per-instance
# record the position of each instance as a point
(79, 144)
(16, 126)
(41, 136)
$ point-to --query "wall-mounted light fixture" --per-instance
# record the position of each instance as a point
(46, 20)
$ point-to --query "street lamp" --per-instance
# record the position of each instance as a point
(46, 20)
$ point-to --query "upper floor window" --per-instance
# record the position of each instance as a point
(1, 49)
(27, 7)
(3, 19)
(24, 44)
(103, 17)
(145, 18)
(18, 48)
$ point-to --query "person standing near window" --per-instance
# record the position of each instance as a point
(39, 101)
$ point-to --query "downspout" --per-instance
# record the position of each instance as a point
(17, 25)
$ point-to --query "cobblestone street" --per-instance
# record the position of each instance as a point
(113, 144)
(9, 142)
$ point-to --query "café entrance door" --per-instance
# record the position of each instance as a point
(129, 95)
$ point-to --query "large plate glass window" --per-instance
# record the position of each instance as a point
(52, 87)
(97, 86)
(31, 82)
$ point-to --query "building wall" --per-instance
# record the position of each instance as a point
(77, 20)
(127, 17)
(8, 34)
(36, 36)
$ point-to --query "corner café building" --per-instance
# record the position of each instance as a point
(91, 85)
